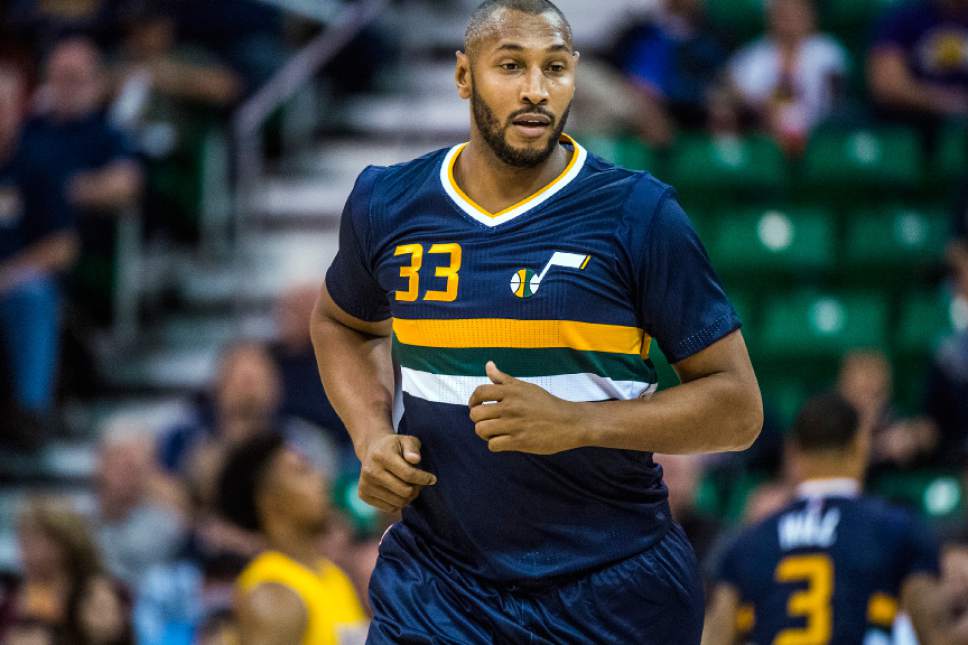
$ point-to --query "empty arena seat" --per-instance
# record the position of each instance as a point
(896, 238)
(951, 163)
(847, 18)
(810, 324)
(774, 239)
(739, 19)
(628, 152)
(936, 494)
(727, 165)
(886, 159)
(926, 318)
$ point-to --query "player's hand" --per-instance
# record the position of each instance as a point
(389, 479)
(513, 415)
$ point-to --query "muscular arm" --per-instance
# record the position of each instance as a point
(717, 407)
(355, 366)
(271, 615)
(356, 369)
(720, 626)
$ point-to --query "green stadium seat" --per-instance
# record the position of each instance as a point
(776, 239)
(808, 324)
(925, 319)
(628, 152)
(896, 238)
(951, 164)
(785, 397)
(838, 162)
(937, 495)
(740, 20)
(728, 165)
(853, 15)
(742, 302)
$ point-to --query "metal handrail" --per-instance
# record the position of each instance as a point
(252, 115)
(320, 10)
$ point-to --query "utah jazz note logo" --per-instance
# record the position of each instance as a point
(525, 282)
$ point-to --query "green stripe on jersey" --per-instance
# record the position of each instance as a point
(523, 362)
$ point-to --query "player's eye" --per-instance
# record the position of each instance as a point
(510, 67)
(556, 68)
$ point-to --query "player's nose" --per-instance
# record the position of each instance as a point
(534, 89)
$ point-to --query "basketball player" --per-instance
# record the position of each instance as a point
(518, 282)
(289, 594)
(833, 566)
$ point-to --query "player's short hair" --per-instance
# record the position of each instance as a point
(480, 22)
(242, 477)
(826, 422)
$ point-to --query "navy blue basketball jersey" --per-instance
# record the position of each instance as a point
(828, 568)
(566, 290)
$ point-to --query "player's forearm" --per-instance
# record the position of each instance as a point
(357, 374)
(718, 412)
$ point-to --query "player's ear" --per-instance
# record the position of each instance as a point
(462, 75)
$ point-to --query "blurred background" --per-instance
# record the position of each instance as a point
(171, 178)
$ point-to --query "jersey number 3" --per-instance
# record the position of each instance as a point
(411, 272)
(812, 603)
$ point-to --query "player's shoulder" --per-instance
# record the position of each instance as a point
(393, 182)
(641, 184)
(877, 512)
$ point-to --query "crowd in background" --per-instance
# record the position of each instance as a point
(98, 101)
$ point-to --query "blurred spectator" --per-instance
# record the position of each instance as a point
(72, 137)
(866, 382)
(268, 487)
(682, 475)
(90, 161)
(98, 614)
(791, 78)
(672, 59)
(918, 66)
(251, 41)
(137, 524)
(303, 394)
(170, 95)
(246, 401)
(37, 242)
(946, 401)
(40, 23)
(33, 632)
(58, 558)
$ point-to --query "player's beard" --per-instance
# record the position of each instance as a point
(495, 134)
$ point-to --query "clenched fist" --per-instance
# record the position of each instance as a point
(389, 479)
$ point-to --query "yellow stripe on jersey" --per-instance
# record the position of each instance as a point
(881, 610)
(521, 334)
(453, 182)
(745, 618)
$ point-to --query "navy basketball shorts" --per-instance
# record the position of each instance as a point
(653, 598)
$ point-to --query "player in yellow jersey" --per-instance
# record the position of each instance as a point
(289, 594)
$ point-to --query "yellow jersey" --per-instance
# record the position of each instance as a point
(334, 614)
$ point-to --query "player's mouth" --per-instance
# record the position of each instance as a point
(531, 126)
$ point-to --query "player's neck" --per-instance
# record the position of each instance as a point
(822, 470)
(296, 544)
(496, 185)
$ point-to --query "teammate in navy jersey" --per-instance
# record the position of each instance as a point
(834, 566)
(514, 284)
